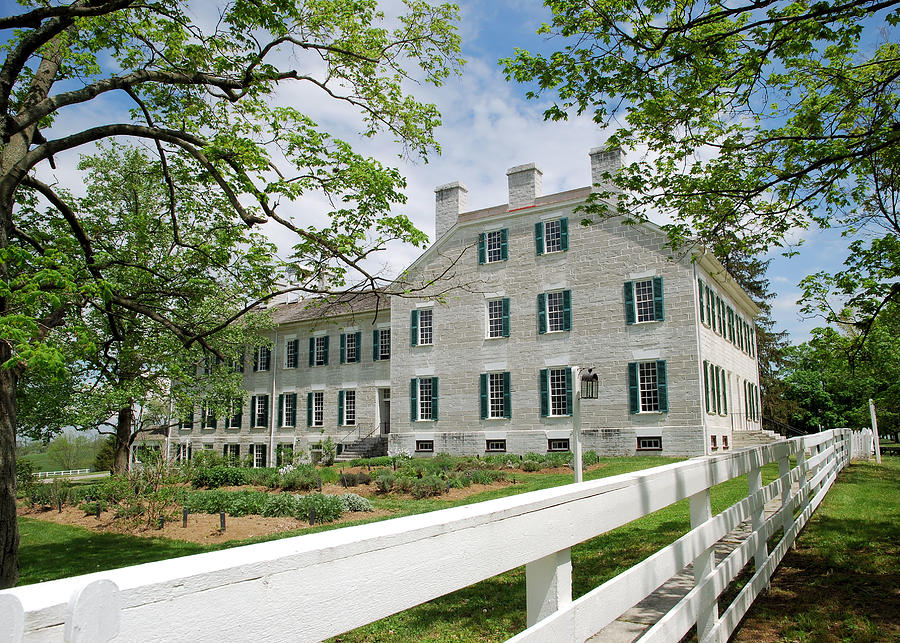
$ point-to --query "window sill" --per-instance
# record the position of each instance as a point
(555, 332)
(424, 420)
(496, 338)
(659, 449)
(649, 321)
(568, 415)
(650, 413)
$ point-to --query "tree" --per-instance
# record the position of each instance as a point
(68, 451)
(757, 118)
(203, 95)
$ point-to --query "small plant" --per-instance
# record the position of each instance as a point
(589, 458)
(279, 505)
(384, 483)
(354, 502)
(427, 487)
(220, 476)
(327, 508)
(363, 478)
(328, 452)
(93, 507)
(24, 476)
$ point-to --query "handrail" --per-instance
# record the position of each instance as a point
(454, 548)
(357, 429)
(782, 428)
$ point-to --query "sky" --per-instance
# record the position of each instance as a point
(488, 127)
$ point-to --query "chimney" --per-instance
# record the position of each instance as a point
(524, 185)
(449, 201)
(605, 160)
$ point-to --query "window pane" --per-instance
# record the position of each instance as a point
(493, 242)
(349, 407)
(384, 344)
(558, 404)
(425, 326)
(425, 398)
(649, 390)
(555, 311)
(318, 409)
(350, 347)
(495, 318)
(552, 237)
(643, 300)
(495, 395)
(320, 352)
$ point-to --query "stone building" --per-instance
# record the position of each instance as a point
(488, 366)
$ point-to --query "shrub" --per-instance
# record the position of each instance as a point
(380, 461)
(354, 502)
(486, 476)
(220, 476)
(264, 477)
(363, 478)
(328, 451)
(427, 487)
(39, 494)
(589, 457)
(348, 479)
(234, 503)
(278, 505)
(531, 465)
(24, 474)
(459, 480)
(327, 508)
(301, 478)
(384, 483)
(90, 508)
(403, 484)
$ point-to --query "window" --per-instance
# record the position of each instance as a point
(556, 392)
(700, 299)
(233, 421)
(261, 357)
(551, 236)
(422, 327)
(554, 311)
(187, 422)
(731, 337)
(284, 454)
(495, 446)
(291, 348)
(649, 444)
(347, 408)
(258, 455)
(498, 318)
(184, 452)
(709, 386)
(207, 418)
(495, 396)
(713, 443)
(259, 410)
(558, 444)
(350, 347)
(315, 408)
(724, 443)
(318, 350)
(493, 246)
(237, 364)
(647, 387)
(232, 452)
(287, 409)
(381, 344)
(425, 446)
(644, 301)
(423, 399)
(723, 392)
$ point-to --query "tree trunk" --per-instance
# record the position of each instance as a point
(123, 440)
(9, 529)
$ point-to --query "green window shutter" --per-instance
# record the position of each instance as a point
(542, 313)
(708, 307)
(658, 308)
(507, 396)
(434, 398)
(662, 386)
(483, 394)
(569, 391)
(718, 382)
(292, 420)
(325, 352)
(255, 359)
(629, 302)
(724, 393)
(567, 310)
(506, 317)
(545, 392)
(281, 410)
(482, 250)
(265, 401)
(758, 402)
(414, 327)
(312, 350)
(564, 233)
(376, 352)
(309, 409)
(700, 299)
(539, 237)
(413, 399)
(634, 401)
(340, 408)
(504, 244)
(358, 346)
(343, 349)
(706, 383)
(252, 411)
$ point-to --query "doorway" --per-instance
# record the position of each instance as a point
(384, 410)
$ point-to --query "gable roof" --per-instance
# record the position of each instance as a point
(348, 303)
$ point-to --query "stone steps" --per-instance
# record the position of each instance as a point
(744, 439)
(366, 448)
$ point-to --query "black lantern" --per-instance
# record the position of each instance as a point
(590, 385)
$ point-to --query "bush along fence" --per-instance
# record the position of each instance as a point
(296, 588)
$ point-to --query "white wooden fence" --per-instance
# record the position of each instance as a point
(60, 474)
(312, 587)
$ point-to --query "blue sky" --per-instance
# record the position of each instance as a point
(489, 126)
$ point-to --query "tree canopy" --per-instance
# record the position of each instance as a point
(756, 119)
(220, 97)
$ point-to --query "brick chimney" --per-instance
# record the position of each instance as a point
(524, 185)
(449, 201)
(605, 160)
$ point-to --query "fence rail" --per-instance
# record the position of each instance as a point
(57, 474)
(296, 588)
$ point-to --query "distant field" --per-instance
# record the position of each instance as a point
(43, 462)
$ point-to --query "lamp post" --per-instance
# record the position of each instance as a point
(588, 389)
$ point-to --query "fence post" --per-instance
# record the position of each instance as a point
(704, 563)
(757, 507)
(787, 513)
(548, 585)
(93, 615)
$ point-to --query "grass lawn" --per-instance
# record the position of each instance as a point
(841, 582)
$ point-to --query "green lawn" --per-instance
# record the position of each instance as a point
(840, 582)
